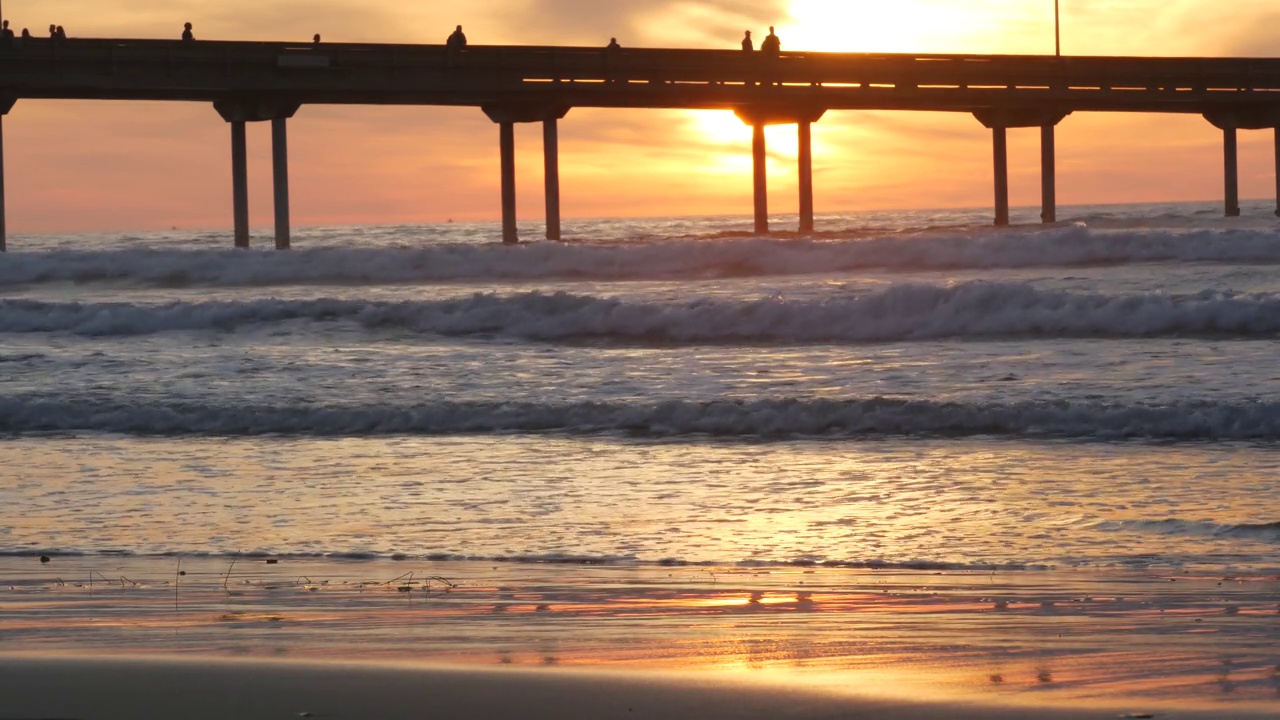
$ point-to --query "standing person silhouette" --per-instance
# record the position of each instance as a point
(771, 45)
(59, 33)
(747, 45)
(186, 32)
(457, 40)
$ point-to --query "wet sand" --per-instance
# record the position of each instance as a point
(86, 637)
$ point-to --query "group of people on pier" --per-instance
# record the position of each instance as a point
(456, 42)
(771, 45)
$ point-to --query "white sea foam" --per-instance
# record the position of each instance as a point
(899, 313)
(1266, 532)
(770, 419)
(669, 259)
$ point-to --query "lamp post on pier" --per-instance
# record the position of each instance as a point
(1057, 31)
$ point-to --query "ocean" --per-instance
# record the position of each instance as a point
(909, 395)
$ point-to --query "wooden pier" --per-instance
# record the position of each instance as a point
(259, 82)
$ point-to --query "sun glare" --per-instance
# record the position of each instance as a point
(920, 26)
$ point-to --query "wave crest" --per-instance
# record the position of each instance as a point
(898, 313)
(757, 419)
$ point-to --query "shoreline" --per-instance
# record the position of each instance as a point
(1046, 639)
(131, 688)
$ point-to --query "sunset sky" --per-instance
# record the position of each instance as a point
(90, 166)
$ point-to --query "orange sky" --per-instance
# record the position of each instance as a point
(82, 166)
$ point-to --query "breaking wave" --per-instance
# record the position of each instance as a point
(776, 419)
(684, 258)
(898, 313)
(1267, 532)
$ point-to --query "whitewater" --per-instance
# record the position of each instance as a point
(912, 389)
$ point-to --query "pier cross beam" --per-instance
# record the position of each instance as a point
(238, 111)
(999, 120)
(506, 115)
(759, 116)
(1229, 119)
(6, 104)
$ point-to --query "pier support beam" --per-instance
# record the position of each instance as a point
(506, 115)
(507, 146)
(240, 110)
(1230, 173)
(1048, 176)
(280, 173)
(3, 229)
(6, 104)
(760, 179)
(1000, 120)
(804, 134)
(240, 183)
(551, 175)
(759, 116)
(1000, 154)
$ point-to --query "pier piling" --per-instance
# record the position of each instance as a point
(1277, 150)
(1230, 172)
(240, 183)
(3, 244)
(760, 177)
(1000, 153)
(804, 133)
(280, 168)
(1048, 176)
(551, 163)
(6, 104)
(507, 147)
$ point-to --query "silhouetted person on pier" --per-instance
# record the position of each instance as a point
(53, 32)
(5, 33)
(747, 45)
(315, 39)
(771, 45)
(26, 34)
(613, 45)
(457, 41)
(60, 33)
(187, 34)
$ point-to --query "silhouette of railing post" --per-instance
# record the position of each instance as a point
(240, 183)
(805, 169)
(1048, 176)
(1230, 173)
(760, 179)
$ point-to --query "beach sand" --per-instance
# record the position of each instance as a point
(101, 638)
(130, 689)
